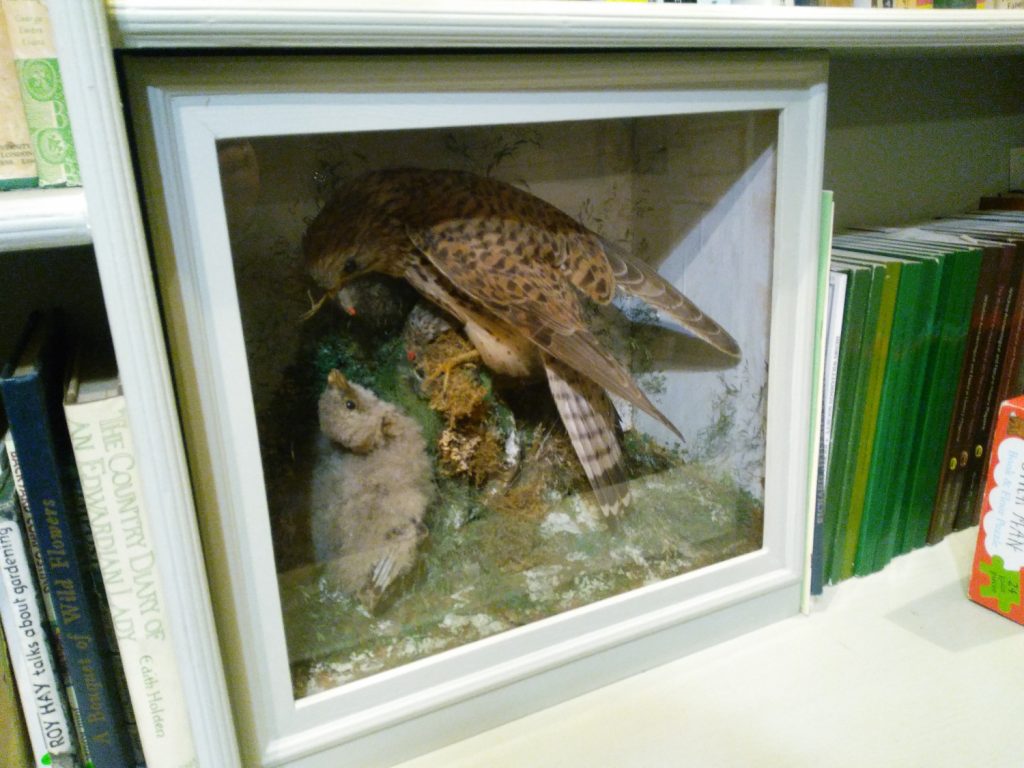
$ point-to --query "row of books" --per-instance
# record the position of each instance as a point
(925, 337)
(914, 4)
(81, 601)
(36, 148)
(920, 5)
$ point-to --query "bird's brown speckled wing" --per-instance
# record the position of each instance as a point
(485, 259)
(456, 202)
(583, 352)
(534, 231)
(593, 426)
(530, 296)
(638, 278)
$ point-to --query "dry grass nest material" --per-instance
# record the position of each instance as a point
(454, 388)
(475, 453)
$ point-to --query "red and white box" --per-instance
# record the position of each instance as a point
(998, 572)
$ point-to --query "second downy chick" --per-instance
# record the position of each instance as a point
(370, 490)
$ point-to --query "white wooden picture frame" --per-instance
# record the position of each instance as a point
(183, 107)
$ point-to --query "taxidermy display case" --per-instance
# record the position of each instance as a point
(495, 371)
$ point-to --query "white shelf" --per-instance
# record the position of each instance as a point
(897, 669)
(43, 218)
(550, 24)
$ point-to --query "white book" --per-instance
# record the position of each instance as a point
(105, 456)
(833, 337)
(24, 623)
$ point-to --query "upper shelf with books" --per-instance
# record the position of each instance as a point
(551, 24)
(42, 205)
(43, 218)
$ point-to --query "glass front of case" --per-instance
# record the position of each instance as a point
(481, 397)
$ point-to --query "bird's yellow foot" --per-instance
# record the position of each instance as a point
(451, 364)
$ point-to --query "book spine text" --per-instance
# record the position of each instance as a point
(104, 452)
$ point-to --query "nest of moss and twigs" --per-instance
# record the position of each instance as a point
(494, 563)
(472, 444)
(514, 535)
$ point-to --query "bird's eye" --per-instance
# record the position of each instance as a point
(350, 405)
(350, 266)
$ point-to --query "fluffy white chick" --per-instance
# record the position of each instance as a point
(370, 490)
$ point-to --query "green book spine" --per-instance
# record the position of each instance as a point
(913, 338)
(891, 471)
(960, 277)
(851, 362)
(978, 359)
(1000, 379)
(902, 444)
(894, 382)
(969, 507)
(42, 92)
(893, 388)
(869, 417)
(977, 384)
(849, 421)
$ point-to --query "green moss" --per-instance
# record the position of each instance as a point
(644, 455)
(505, 548)
(499, 414)
(382, 368)
(484, 569)
(714, 438)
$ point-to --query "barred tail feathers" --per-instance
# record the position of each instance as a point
(592, 423)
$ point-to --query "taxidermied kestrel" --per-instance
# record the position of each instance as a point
(514, 271)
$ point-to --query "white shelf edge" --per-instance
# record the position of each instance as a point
(803, 685)
(549, 24)
(43, 218)
(122, 258)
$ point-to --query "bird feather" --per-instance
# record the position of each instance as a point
(639, 279)
(547, 314)
(593, 426)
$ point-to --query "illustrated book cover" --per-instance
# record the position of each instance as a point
(998, 570)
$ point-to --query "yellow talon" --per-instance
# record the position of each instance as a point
(448, 365)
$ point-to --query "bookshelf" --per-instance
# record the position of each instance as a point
(552, 23)
(44, 232)
(922, 50)
(43, 218)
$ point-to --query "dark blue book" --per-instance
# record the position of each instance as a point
(32, 390)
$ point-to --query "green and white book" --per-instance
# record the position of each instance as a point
(42, 92)
(17, 163)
